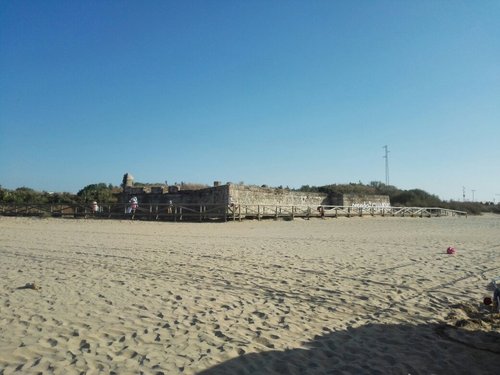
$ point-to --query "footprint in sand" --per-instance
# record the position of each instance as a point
(84, 346)
(263, 341)
(36, 362)
(20, 367)
(260, 314)
(219, 334)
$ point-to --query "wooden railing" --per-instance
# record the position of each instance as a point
(205, 212)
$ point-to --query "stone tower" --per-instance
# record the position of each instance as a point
(128, 180)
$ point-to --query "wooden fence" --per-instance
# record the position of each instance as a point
(207, 212)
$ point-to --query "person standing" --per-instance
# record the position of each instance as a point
(95, 207)
(134, 204)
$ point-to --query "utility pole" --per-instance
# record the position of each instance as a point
(463, 193)
(473, 191)
(386, 157)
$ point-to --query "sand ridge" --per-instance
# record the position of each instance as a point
(359, 295)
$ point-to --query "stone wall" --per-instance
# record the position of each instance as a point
(213, 195)
(250, 195)
(253, 195)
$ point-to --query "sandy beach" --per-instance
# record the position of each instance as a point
(365, 295)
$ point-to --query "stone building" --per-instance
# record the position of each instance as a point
(227, 194)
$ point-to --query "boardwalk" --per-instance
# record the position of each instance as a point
(206, 212)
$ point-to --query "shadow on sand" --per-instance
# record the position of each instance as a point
(380, 349)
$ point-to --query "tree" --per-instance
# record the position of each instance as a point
(23, 195)
(97, 192)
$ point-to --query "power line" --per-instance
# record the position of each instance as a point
(386, 157)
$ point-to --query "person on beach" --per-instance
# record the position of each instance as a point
(134, 203)
(321, 211)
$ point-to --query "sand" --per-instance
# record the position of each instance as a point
(340, 296)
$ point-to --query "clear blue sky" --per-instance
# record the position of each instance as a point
(266, 92)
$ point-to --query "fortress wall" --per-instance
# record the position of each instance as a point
(242, 194)
(252, 195)
(212, 195)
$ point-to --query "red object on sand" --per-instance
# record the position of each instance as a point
(450, 250)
